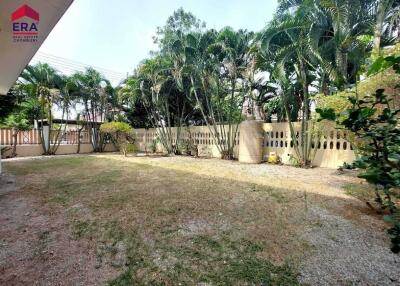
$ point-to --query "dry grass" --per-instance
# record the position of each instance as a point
(159, 221)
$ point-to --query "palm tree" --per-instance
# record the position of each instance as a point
(43, 82)
(386, 9)
(153, 79)
(166, 98)
(336, 35)
(216, 66)
(285, 42)
(95, 93)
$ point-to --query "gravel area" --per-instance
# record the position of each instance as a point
(344, 253)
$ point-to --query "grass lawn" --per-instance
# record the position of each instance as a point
(162, 221)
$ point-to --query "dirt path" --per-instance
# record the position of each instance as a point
(35, 247)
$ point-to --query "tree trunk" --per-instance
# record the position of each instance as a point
(50, 122)
(380, 19)
(79, 140)
(14, 148)
(305, 162)
(341, 61)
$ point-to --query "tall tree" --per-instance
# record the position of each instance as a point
(43, 83)
(285, 41)
(384, 6)
(180, 21)
(216, 64)
(97, 96)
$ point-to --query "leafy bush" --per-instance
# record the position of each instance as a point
(130, 148)
(121, 134)
(18, 121)
(153, 145)
(375, 120)
(116, 127)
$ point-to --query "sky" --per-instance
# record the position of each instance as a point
(116, 35)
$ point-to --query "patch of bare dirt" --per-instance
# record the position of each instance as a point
(36, 248)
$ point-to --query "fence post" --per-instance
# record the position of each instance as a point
(46, 131)
(251, 141)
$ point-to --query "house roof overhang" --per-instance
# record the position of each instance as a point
(14, 55)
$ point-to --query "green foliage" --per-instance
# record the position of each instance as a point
(275, 106)
(93, 91)
(115, 126)
(17, 121)
(179, 21)
(337, 102)
(383, 63)
(219, 68)
(375, 121)
(9, 103)
(121, 134)
(43, 88)
(153, 145)
(328, 114)
(131, 148)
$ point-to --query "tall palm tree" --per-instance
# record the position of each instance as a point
(155, 87)
(95, 93)
(336, 35)
(216, 64)
(385, 9)
(285, 42)
(43, 82)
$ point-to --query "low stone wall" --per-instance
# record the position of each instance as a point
(63, 149)
(198, 135)
(332, 150)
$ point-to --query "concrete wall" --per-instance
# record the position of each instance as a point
(199, 135)
(37, 150)
(332, 149)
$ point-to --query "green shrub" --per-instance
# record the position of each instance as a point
(121, 134)
(115, 126)
(375, 120)
(131, 148)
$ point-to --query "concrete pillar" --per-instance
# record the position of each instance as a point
(46, 131)
(251, 141)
